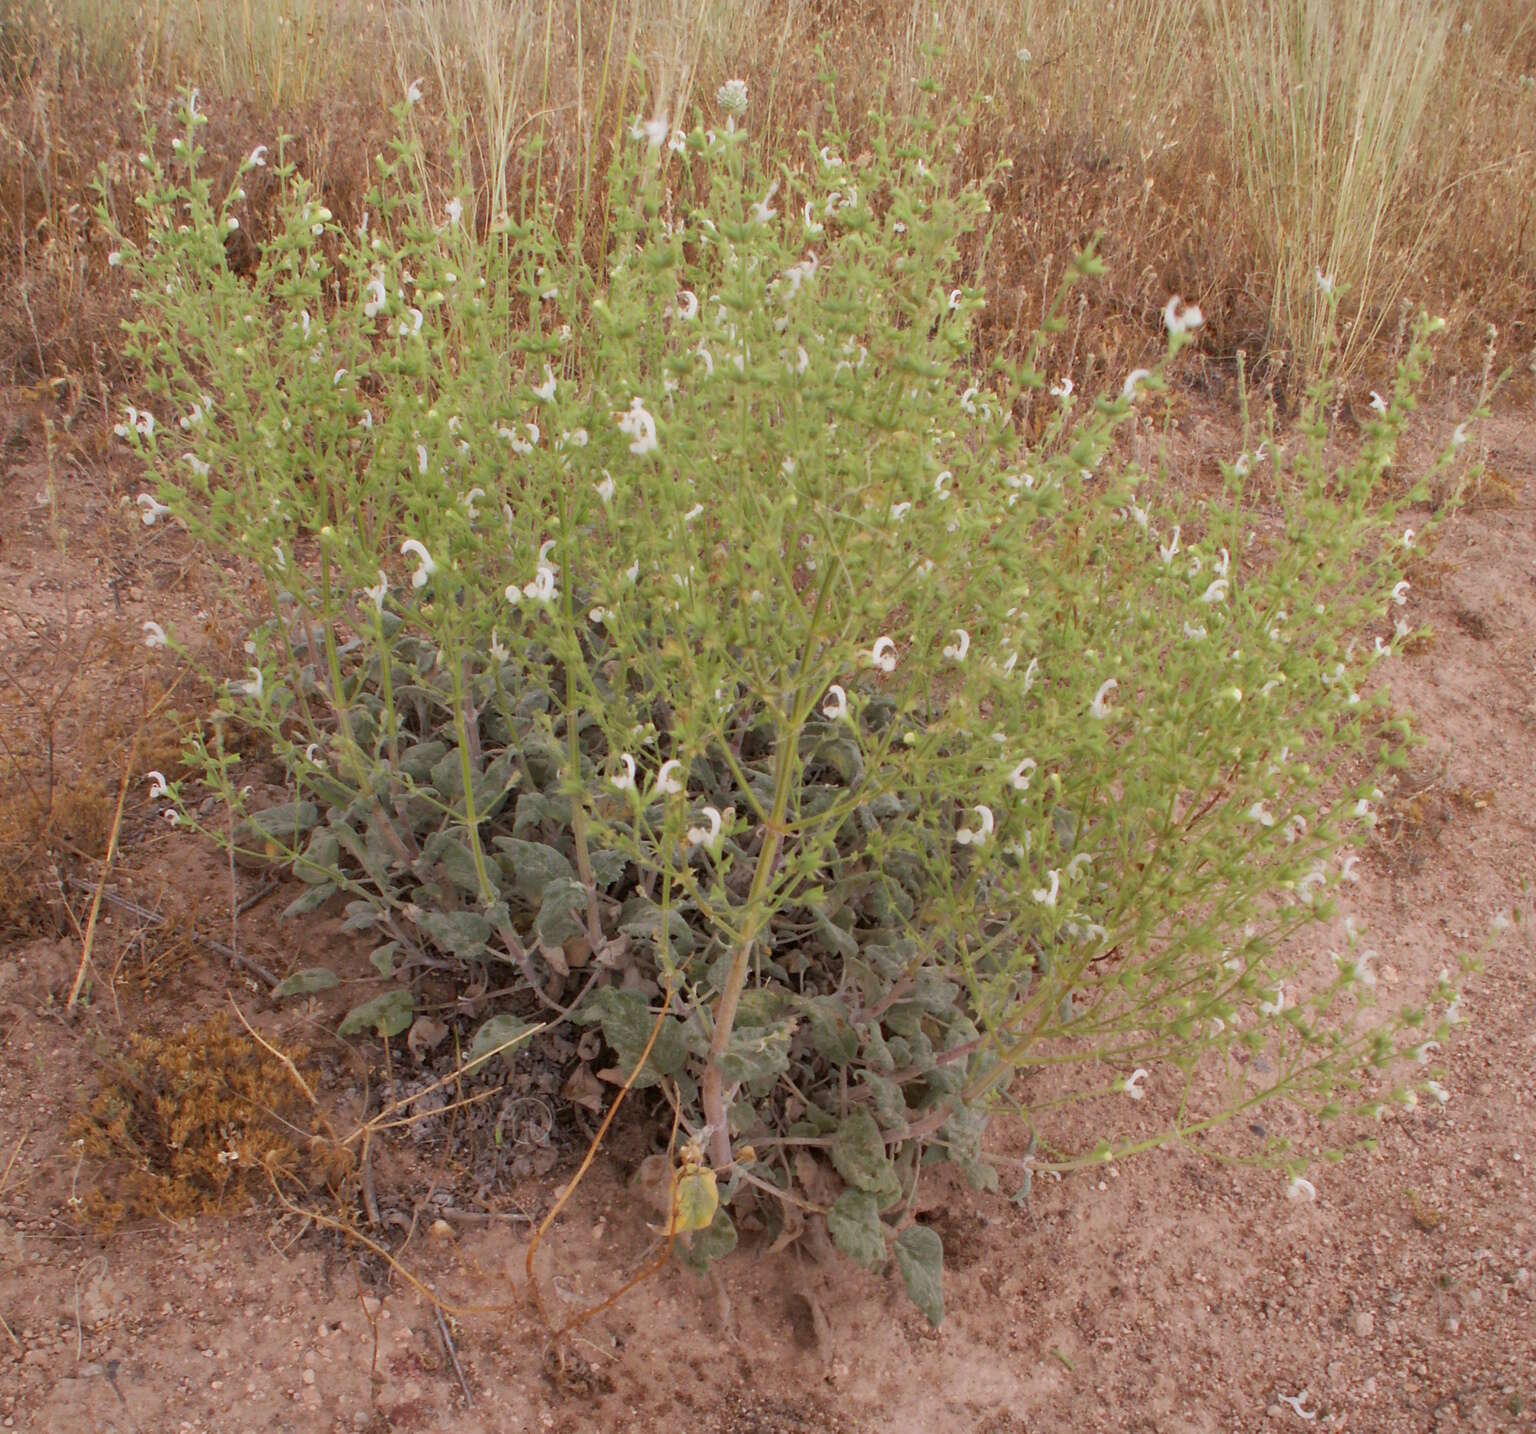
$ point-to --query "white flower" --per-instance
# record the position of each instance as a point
(941, 485)
(900, 510)
(967, 836)
(545, 392)
(141, 421)
(154, 634)
(600, 616)
(761, 211)
(1048, 897)
(709, 363)
(455, 210)
(1216, 592)
(883, 654)
(409, 329)
(378, 296)
(687, 305)
(829, 159)
(1440, 1093)
(1077, 863)
(1407, 537)
(541, 590)
(1378, 402)
(153, 510)
(1261, 814)
(1347, 867)
(379, 591)
(1274, 1006)
(668, 784)
(812, 225)
(1179, 318)
(1131, 1085)
(835, 708)
(1193, 631)
(421, 459)
(707, 836)
(1325, 283)
(470, 500)
(498, 652)
(413, 93)
(1299, 1186)
(1459, 436)
(1099, 707)
(1169, 550)
(256, 159)
(278, 554)
(654, 131)
(1029, 673)
(115, 259)
(1019, 778)
(640, 426)
(253, 688)
(732, 97)
(955, 298)
(1133, 381)
(1421, 1054)
(957, 650)
(1400, 593)
(157, 785)
(1062, 389)
(605, 489)
(625, 780)
(425, 567)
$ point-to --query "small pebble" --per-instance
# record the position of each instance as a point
(1364, 1324)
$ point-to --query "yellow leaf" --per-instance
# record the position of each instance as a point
(694, 1201)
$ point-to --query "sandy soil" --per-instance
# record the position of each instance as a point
(1168, 1294)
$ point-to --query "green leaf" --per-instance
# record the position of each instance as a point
(322, 854)
(386, 1015)
(382, 958)
(450, 852)
(626, 1019)
(499, 1033)
(856, 1229)
(858, 1152)
(831, 1034)
(704, 1247)
(608, 868)
(832, 937)
(920, 1257)
(310, 900)
(284, 823)
(463, 933)
(641, 920)
(559, 918)
(306, 983)
(695, 1200)
(361, 915)
(531, 867)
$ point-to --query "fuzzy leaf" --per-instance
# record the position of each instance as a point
(382, 958)
(464, 933)
(704, 1247)
(531, 867)
(626, 1019)
(283, 823)
(856, 1228)
(641, 920)
(560, 911)
(310, 900)
(306, 983)
(361, 915)
(920, 1257)
(858, 1152)
(500, 1032)
(386, 1015)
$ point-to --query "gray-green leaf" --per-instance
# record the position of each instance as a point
(856, 1229)
(307, 982)
(501, 1033)
(385, 1015)
(920, 1256)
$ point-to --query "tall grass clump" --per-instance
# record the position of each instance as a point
(693, 643)
(1329, 107)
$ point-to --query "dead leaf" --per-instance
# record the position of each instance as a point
(425, 1035)
(581, 1088)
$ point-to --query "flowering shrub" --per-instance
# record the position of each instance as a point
(696, 644)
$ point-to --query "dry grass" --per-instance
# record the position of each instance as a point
(1227, 148)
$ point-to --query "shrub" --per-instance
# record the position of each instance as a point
(750, 686)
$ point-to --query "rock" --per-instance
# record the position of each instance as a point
(1363, 1324)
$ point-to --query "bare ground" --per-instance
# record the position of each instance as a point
(1169, 1293)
